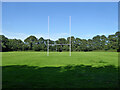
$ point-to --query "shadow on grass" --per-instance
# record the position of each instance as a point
(79, 76)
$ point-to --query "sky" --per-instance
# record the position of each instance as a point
(88, 19)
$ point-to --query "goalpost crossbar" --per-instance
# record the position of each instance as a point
(59, 44)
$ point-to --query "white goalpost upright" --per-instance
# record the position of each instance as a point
(59, 44)
(70, 35)
(48, 39)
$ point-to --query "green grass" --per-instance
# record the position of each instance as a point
(59, 59)
(59, 70)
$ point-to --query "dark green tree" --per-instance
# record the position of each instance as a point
(112, 41)
(30, 41)
(4, 43)
(96, 43)
(104, 41)
(15, 45)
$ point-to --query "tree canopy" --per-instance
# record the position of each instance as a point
(77, 44)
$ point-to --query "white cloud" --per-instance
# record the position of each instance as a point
(12, 35)
(22, 36)
(90, 36)
(52, 36)
(1, 33)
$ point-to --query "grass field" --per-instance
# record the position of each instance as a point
(59, 70)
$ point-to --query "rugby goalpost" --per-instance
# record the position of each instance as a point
(60, 44)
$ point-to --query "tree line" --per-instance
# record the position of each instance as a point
(77, 44)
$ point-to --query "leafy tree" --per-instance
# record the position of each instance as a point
(4, 43)
(117, 34)
(112, 41)
(41, 40)
(73, 41)
(96, 43)
(31, 40)
(84, 45)
(36, 47)
(25, 47)
(15, 45)
(103, 41)
(32, 43)
(90, 44)
(78, 43)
